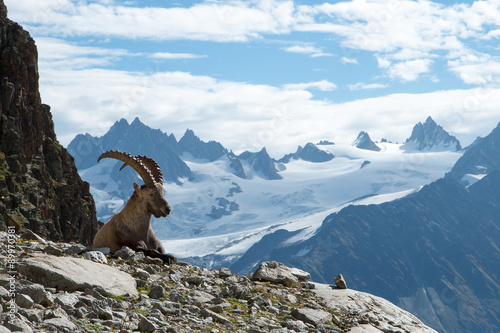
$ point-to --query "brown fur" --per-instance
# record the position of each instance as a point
(132, 225)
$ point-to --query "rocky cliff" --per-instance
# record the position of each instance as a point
(40, 188)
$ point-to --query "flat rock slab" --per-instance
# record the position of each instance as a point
(380, 313)
(312, 316)
(73, 274)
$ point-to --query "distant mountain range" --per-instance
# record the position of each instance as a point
(435, 252)
(358, 210)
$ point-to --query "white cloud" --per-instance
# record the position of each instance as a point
(62, 54)
(477, 73)
(248, 116)
(323, 85)
(222, 22)
(409, 70)
(307, 49)
(361, 85)
(346, 60)
(408, 34)
(174, 56)
(398, 31)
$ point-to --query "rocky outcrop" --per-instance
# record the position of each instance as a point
(378, 314)
(40, 188)
(177, 298)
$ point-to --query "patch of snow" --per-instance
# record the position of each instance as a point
(471, 179)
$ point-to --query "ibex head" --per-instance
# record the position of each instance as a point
(151, 193)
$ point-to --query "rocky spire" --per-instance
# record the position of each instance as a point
(429, 136)
(40, 188)
(363, 141)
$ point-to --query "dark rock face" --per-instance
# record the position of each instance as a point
(429, 136)
(40, 188)
(363, 141)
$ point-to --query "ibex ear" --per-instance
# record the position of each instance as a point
(137, 187)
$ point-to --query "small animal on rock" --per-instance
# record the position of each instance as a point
(132, 225)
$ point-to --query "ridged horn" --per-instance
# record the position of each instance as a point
(153, 167)
(134, 162)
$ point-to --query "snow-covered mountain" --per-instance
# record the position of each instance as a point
(310, 153)
(429, 136)
(363, 141)
(228, 202)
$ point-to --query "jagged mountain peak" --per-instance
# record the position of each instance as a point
(192, 144)
(363, 141)
(135, 138)
(430, 136)
(262, 163)
(189, 135)
(310, 152)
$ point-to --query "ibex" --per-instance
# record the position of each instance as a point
(132, 225)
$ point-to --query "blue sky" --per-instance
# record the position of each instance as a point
(268, 72)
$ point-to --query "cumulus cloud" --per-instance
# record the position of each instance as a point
(409, 70)
(279, 118)
(222, 22)
(406, 34)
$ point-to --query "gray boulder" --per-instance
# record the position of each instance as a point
(96, 256)
(275, 272)
(340, 282)
(72, 274)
